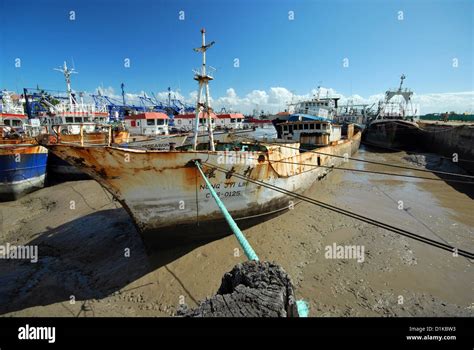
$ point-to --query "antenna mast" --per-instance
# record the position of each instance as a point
(402, 78)
(67, 76)
(203, 79)
(122, 86)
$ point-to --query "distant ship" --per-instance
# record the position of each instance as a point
(393, 126)
(66, 119)
(358, 114)
(319, 107)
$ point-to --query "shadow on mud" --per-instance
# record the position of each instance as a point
(88, 258)
(93, 256)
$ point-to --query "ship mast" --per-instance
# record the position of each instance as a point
(67, 76)
(203, 78)
(122, 87)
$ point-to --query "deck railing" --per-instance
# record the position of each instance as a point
(84, 136)
(210, 72)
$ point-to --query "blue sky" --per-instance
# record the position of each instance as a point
(273, 51)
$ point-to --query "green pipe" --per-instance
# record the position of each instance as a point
(302, 306)
(249, 252)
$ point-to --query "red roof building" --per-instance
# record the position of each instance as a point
(147, 115)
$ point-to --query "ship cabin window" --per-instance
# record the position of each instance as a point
(318, 126)
(150, 122)
(69, 120)
(190, 122)
(6, 122)
(325, 126)
(13, 122)
(77, 120)
(285, 127)
(160, 122)
(311, 126)
(290, 129)
(306, 126)
(233, 120)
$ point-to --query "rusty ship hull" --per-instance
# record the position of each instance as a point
(396, 134)
(162, 190)
(60, 169)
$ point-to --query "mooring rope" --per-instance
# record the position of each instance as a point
(355, 170)
(301, 305)
(357, 159)
(353, 215)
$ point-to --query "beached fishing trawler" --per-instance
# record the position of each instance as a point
(22, 160)
(22, 165)
(163, 190)
(393, 126)
(71, 120)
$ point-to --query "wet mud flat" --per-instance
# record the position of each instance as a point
(92, 261)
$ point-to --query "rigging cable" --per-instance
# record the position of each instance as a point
(415, 153)
(348, 213)
(361, 170)
(360, 160)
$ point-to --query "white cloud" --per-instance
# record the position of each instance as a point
(257, 97)
(230, 99)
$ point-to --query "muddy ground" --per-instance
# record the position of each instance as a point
(92, 261)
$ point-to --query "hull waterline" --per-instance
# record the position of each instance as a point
(22, 170)
(396, 134)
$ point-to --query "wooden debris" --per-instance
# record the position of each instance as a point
(251, 289)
